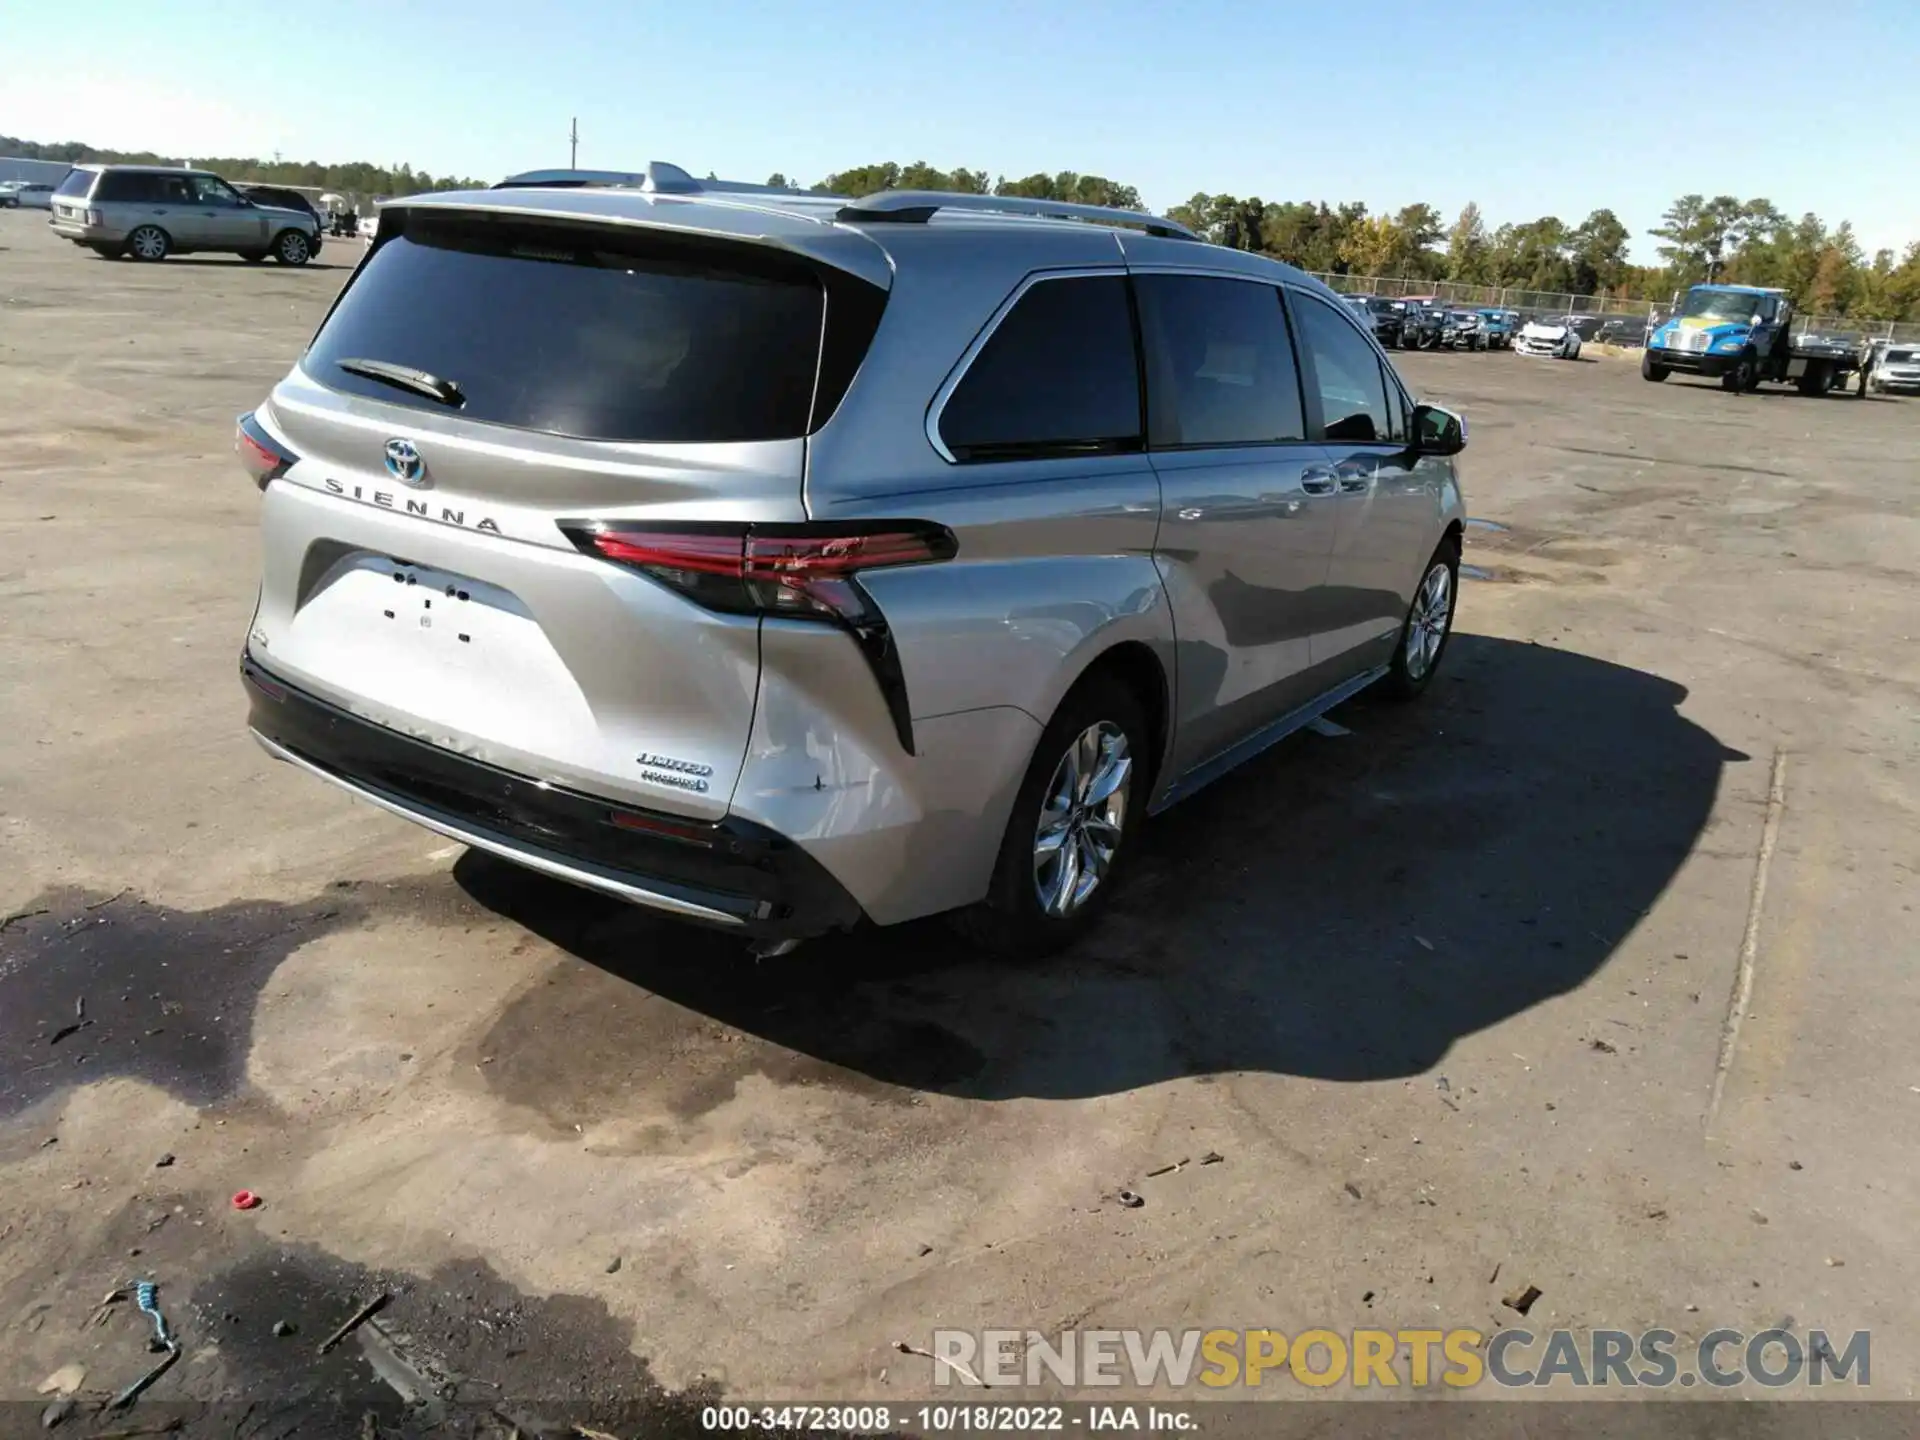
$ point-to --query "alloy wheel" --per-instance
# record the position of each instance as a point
(1432, 616)
(148, 243)
(1083, 819)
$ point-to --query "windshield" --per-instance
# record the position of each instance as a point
(1722, 305)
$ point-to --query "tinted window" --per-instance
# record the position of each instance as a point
(1057, 377)
(1220, 367)
(581, 331)
(75, 185)
(128, 185)
(1346, 373)
(212, 190)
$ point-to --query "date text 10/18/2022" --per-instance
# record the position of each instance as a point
(947, 1419)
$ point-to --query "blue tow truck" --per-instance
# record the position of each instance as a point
(1742, 335)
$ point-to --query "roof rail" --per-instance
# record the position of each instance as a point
(918, 206)
(658, 178)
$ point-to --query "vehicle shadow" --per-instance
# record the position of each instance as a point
(1347, 907)
(235, 262)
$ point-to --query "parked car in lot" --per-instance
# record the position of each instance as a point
(149, 212)
(1894, 370)
(25, 195)
(1622, 330)
(1383, 315)
(281, 198)
(1461, 330)
(1555, 337)
(840, 560)
(1422, 323)
(1499, 326)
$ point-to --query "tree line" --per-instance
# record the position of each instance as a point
(358, 178)
(1748, 242)
(1744, 242)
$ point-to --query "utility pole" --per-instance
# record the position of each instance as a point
(573, 144)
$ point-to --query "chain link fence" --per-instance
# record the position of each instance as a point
(1625, 321)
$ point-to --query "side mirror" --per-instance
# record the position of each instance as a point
(1437, 431)
(1756, 318)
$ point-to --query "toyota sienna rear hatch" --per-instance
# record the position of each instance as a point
(513, 489)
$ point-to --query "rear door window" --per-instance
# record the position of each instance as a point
(1058, 376)
(586, 331)
(1220, 365)
(1344, 373)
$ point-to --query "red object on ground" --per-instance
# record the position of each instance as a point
(246, 1200)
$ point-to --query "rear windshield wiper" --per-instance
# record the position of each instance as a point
(405, 377)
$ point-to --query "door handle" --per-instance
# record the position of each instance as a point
(1357, 479)
(1317, 480)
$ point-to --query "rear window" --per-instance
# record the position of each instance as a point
(595, 333)
(74, 187)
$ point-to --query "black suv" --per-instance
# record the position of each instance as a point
(1421, 325)
(281, 198)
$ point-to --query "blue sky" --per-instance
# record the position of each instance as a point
(1386, 101)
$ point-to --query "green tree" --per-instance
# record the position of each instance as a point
(1467, 261)
(1700, 233)
(1597, 257)
(1421, 224)
(862, 180)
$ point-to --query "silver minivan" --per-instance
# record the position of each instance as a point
(150, 212)
(785, 563)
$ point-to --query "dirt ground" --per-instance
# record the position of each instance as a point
(1448, 993)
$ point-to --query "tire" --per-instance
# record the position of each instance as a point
(292, 247)
(1651, 371)
(1743, 377)
(1100, 723)
(1422, 644)
(149, 243)
(253, 257)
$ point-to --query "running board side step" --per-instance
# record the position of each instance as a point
(1264, 739)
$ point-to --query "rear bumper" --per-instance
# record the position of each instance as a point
(732, 874)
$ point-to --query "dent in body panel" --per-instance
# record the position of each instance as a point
(1051, 555)
(907, 835)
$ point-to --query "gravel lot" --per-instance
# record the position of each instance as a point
(1446, 993)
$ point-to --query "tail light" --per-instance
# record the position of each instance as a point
(806, 571)
(263, 457)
